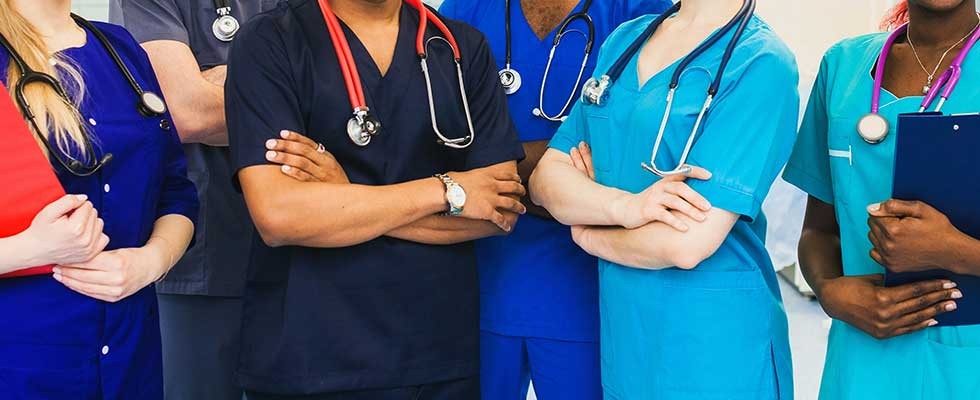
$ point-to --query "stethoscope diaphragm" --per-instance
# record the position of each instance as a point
(873, 128)
(225, 27)
(511, 80)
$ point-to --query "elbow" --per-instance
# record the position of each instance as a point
(689, 257)
(273, 228)
(534, 187)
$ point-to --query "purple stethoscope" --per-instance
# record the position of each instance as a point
(873, 127)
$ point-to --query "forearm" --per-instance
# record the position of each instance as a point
(168, 242)
(17, 254)
(820, 258)
(444, 230)
(329, 215)
(533, 151)
(657, 245)
(572, 197)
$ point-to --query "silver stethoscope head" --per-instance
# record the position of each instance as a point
(873, 128)
(151, 104)
(510, 79)
(363, 126)
(225, 26)
(595, 92)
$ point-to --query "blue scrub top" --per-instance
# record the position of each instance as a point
(385, 313)
(54, 342)
(718, 331)
(536, 282)
(832, 163)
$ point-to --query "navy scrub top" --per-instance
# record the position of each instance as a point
(54, 342)
(536, 282)
(385, 313)
(216, 265)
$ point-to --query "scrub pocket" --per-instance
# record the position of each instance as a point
(601, 134)
(952, 359)
(841, 154)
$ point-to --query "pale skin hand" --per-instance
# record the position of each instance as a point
(117, 274)
(299, 159)
(68, 230)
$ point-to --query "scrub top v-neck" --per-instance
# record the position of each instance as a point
(385, 313)
(832, 163)
(536, 282)
(719, 330)
(54, 342)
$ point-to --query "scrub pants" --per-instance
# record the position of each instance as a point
(561, 370)
(462, 389)
(201, 339)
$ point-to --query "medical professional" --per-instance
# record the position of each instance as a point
(90, 330)
(689, 303)
(539, 311)
(882, 343)
(201, 299)
(360, 288)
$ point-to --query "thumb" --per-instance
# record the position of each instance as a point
(698, 173)
(60, 207)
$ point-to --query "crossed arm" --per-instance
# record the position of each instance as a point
(667, 225)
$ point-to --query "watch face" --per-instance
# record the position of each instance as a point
(456, 196)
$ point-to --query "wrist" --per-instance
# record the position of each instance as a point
(434, 201)
(964, 254)
(161, 255)
(19, 252)
(614, 210)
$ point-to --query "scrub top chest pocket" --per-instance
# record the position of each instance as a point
(840, 151)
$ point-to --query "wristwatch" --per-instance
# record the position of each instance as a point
(455, 195)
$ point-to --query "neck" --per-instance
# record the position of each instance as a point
(941, 28)
(709, 11)
(51, 18)
(365, 12)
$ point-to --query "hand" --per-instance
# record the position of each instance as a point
(492, 195)
(582, 159)
(910, 236)
(883, 312)
(216, 76)
(657, 201)
(68, 230)
(114, 275)
(301, 159)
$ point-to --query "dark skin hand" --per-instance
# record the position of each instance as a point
(533, 151)
(862, 301)
(910, 236)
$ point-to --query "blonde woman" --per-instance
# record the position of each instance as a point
(89, 330)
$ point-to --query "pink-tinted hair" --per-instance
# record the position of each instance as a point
(896, 16)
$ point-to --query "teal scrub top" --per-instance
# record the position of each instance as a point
(718, 331)
(832, 163)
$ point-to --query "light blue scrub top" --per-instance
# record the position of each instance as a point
(536, 282)
(718, 331)
(832, 163)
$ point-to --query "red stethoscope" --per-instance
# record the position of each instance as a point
(363, 126)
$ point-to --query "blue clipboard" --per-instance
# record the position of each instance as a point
(937, 161)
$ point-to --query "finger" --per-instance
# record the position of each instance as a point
(102, 243)
(874, 279)
(876, 255)
(287, 148)
(62, 206)
(509, 204)
(586, 151)
(877, 226)
(896, 208)
(678, 204)
(511, 187)
(910, 291)
(923, 302)
(917, 327)
(89, 276)
(294, 161)
(671, 220)
(505, 175)
(498, 219)
(689, 195)
(100, 292)
(82, 214)
(577, 161)
(297, 174)
(296, 137)
(698, 173)
(925, 315)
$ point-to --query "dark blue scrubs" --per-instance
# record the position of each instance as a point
(538, 290)
(386, 313)
(54, 342)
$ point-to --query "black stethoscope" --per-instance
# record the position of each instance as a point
(149, 104)
(511, 79)
(596, 91)
(225, 25)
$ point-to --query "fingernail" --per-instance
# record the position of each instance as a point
(56, 277)
(950, 306)
(956, 294)
(933, 322)
(56, 270)
(286, 168)
(874, 207)
(81, 197)
(949, 285)
(270, 144)
(284, 134)
(270, 155)
(702, 217)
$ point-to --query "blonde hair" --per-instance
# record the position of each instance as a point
(53, 113)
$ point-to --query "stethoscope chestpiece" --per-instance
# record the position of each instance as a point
(511, 80)
(151, 105)
(873, 128)
(225, 26)
(362, 127)
(596, 91)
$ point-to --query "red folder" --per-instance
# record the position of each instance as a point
(27, 181)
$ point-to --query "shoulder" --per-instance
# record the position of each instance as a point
(627, 32)
(854, 48)
(471, 41)
(630, 9)
(465, 10)
(268, 28)
(762, 47)
(123, 42)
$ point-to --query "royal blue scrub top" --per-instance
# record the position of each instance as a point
(718, 331)
(536, 282)
(54, 342)
(386, 313)
(832, 163)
